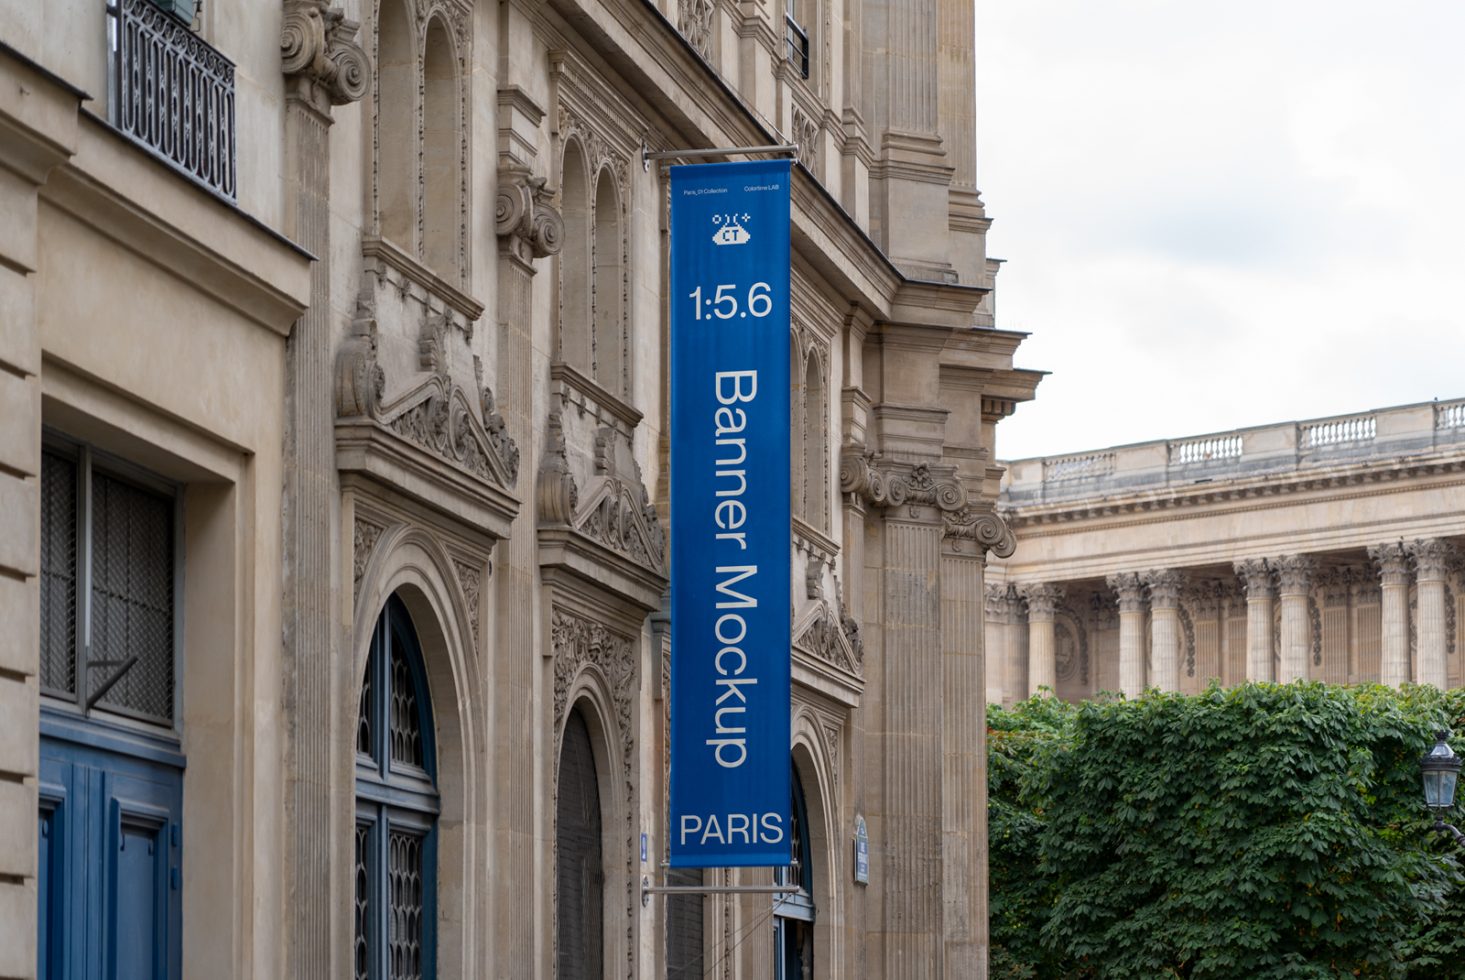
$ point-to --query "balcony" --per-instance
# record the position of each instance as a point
(172, 93)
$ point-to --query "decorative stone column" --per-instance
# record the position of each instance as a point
(1393, 562)
(1294, 585)
(323, 67)
(1261, 593)
(1131, 592)
(1431, 560)
(1001, 611)
(1042, 599)
(1165, 586)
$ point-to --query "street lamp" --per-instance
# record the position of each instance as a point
(1441, 767)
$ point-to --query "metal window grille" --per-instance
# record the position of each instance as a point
(173, 93)
(396, 809)
(58, 575)
(796, 43)
(107, 590)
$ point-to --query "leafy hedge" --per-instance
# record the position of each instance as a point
(1260, 831)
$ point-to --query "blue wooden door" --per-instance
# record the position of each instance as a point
(110, 839)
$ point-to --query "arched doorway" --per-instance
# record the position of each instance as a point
(579, 868)
(396, 809)
(793, 915)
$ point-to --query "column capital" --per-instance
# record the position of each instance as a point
(530, 227)
(872, 480)
(1431, 558)
(1256, 576)
(1294, 573)
(1042, 599)
(1001, 602)
(1393, 562)
(983, 528)
(320, 56)
(1165, 585)
(1130, 589)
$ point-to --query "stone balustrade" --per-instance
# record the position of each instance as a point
(1262, 451)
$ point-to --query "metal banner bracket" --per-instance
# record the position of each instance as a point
(781, 149)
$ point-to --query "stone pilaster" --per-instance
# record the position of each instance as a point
(324, 67)
(528, 229)
(1130, 589)
(1294, 586)
(963, 738)
(1042, 599)
(1261, 593)
(1165, 586)
(1393, 564)
(1431, 559)
(38, 120)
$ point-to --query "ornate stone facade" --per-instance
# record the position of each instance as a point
(1325, 549)
(398, 422)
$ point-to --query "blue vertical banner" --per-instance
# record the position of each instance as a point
(730, 528)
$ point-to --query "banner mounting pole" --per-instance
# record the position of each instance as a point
(784, 149)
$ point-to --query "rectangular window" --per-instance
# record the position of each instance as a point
(108, 561)
(796, 42)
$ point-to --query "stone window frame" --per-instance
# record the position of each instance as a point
(434, 232)
(591, 119)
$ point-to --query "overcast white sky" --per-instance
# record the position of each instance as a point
(1221, 215)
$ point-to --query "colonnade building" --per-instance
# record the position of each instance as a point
(334, 470)
(1327, 549)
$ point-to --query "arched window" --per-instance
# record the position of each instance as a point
(440, 170)
(579, 870)
(796, 428)
(396, 808)
(396, 85)
(609, 329)
(793, 915)
(816, 488)
(574, 262)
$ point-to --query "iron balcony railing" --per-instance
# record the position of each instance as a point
(173, 93)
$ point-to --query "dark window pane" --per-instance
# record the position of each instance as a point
(362, 950)
(58, 574)
(404, 857)
(405, 733)
(132, 597)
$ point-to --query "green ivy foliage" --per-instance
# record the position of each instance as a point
(1261, 831)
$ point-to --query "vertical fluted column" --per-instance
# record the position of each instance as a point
(1165, 586)
(963, 751)
(1393, 562)
(324, 67)
(912, 682)
(1294, 587)
(1261, 592)
(1431, 560)
(1042, 599)
(1131, 592)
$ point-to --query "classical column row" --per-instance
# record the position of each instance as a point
(1280, 642)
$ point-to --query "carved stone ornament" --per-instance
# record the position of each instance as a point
(1165, 586)
(364, 536)
(523, 217)
(1294, 574)
(1256, 575)
(694, 20)
(806, 137)
(831, 635)
(433, 412)
(318, 50)
(470, 577)
(1432, 558)
(895, 486)
(1130, 589)
(983, 528)
(1393, 563)
(613, 510)
(1042, 599)
(1001, 602)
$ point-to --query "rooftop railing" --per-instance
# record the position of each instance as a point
(1312, 443)
(173, 93)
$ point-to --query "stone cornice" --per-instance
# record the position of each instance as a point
(1266, 486)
